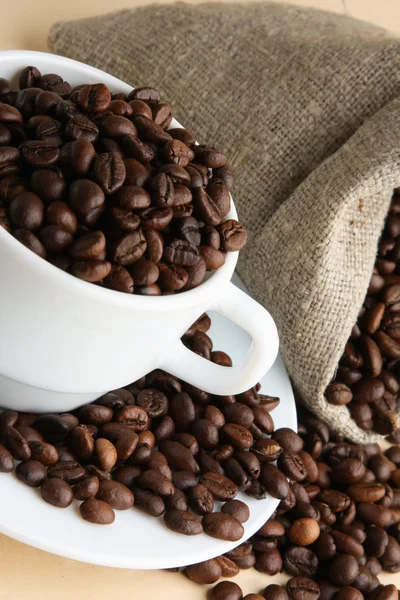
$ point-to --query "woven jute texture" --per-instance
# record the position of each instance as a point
(304, 103)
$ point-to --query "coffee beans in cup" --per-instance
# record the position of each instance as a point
(103, 187)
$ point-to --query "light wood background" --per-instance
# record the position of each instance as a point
(30, 574)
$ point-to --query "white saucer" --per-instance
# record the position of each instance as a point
(135, 540)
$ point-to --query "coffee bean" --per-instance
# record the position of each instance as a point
(179, 457)
(97, 511)
(274, 481)
(6, 460)
(31, 472)
(76, 158)
(299, 561)
(150, 131)
(336, 500)
(87, 488)
(303, 532)
(82, 442)
(347, 545)
(208, 571)
(206, 208)
(95, 414)
(221, 487)
(222, 526)
(201, 499)
(226, 590)
(343, 570)
(154, 402)
(94, 98)
(28, 77)
(117, 495)
(303, 588)
(209, 156)
(182, 522)
(275, 592)
(57, 492)
(366, 492)
(288, 439)
(106, 453)
(237, 509)
(71, 472)
(184, 480)
(291, 465)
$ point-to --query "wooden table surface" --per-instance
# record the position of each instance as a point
(30, 574)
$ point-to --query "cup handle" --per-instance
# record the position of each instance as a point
(223, 381)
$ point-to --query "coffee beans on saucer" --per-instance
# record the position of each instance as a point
(104, 188)
(159, 445)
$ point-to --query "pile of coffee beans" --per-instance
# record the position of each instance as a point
(94, 183)
(336, 528)
(368, 377)
(105, 456)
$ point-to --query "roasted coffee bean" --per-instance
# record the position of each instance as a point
(85, 196)
(117, 495)
(187, 440)
(110, 172)
(269, 562)
(106, 453)
(97, 511)
(275, 592)
(81, 128)
(201, 499)
(366, 492)
(324, 547)
(95, 414)
(150, 131)
(208, 571)
(303, 532)
(87, 488)
(179, 457)
(236, 472)
(274, 481)
(164, 429)
(303, 588)
(29, 77)
(155, 481)
(119, 280)
(376, 541)
(299, 561)
(39, 153)
(226, 590)
(347, 545)
(288, 439)
(71, 472)
(148, 502)
(57, 492)
(343, 570)
(291, 465)
(266, 450)
(31, 472)
(206, 208)
(206, 433)
(238, 436)
(76, 158)
(336, 500)
(237, 509)
(26, 211)
(6, 460)
(210, 157)
(177, 500)
(213, 414)
(82, 442)
(221, 487)
(94, 98)
(182, 522)
(184, 480)
(222, 526)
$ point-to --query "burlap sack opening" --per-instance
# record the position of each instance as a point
(293, 95)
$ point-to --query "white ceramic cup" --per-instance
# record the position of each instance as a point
(65, 342)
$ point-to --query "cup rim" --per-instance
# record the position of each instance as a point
(63, 279)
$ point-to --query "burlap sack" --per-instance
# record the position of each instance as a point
(293, 95)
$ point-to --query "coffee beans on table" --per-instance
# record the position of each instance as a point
(98, 186)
